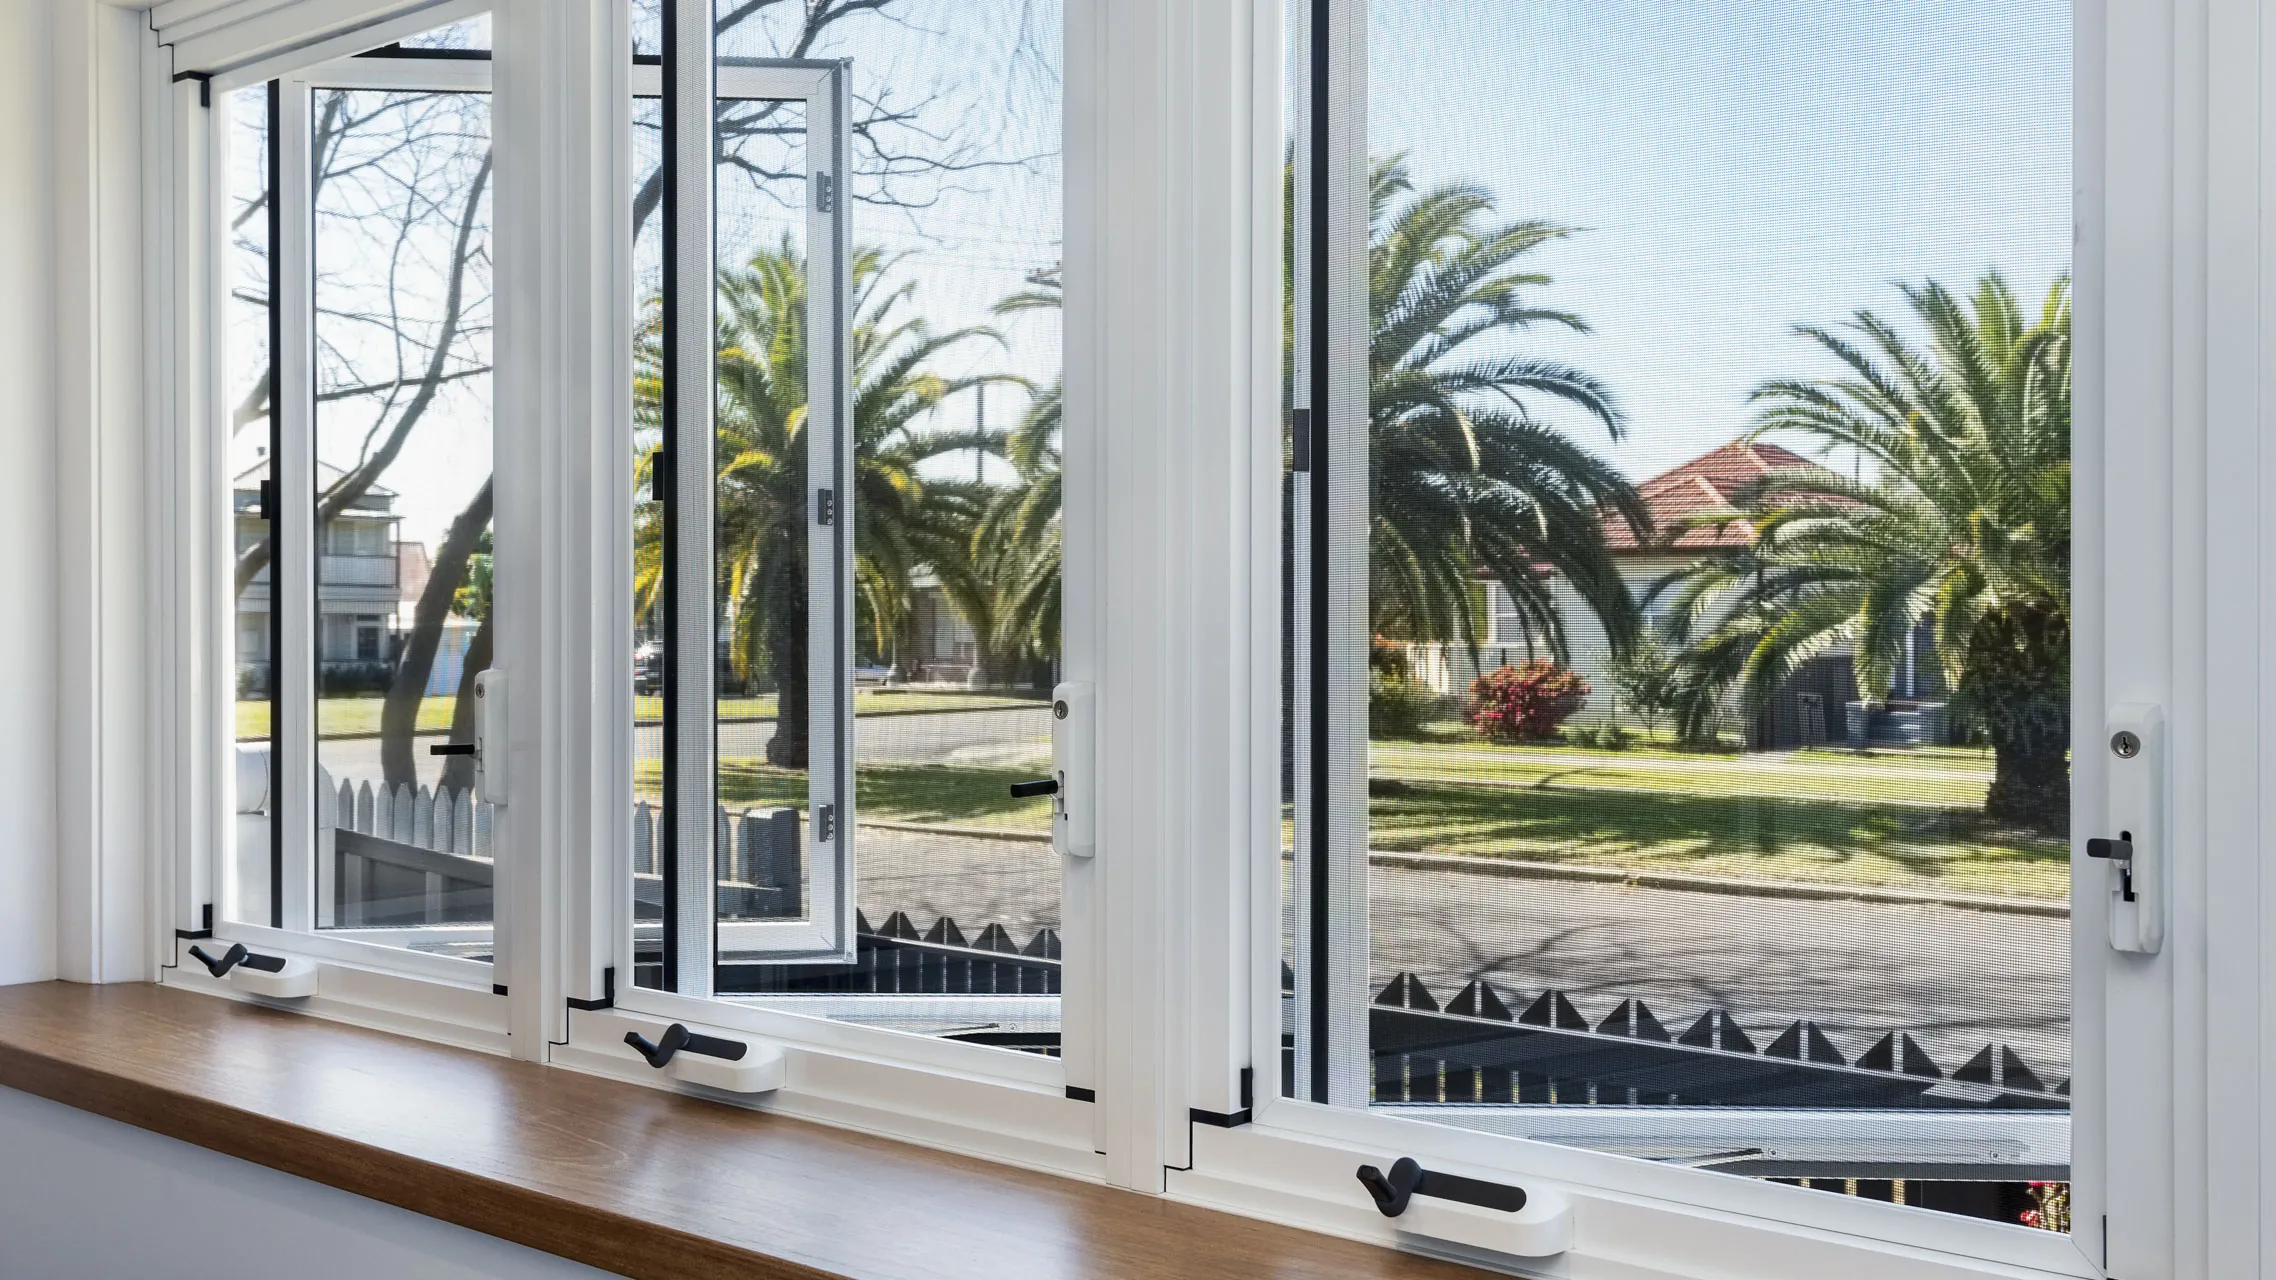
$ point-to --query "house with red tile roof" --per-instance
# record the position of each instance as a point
(1683, 504)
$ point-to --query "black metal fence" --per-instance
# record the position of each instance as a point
(1474, 1049)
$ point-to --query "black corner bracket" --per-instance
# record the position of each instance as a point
(608, 993)
(1408, 1179)
(676, 1038)
(236, 955)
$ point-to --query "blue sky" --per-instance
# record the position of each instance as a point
(1731, 169)
(1737, 167)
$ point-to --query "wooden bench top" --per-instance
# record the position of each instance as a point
(632, 1180)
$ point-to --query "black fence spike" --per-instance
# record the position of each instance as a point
(1897, 1052)
(1788, 1043)
(1803, 1041)
(1287, 977)
(1634, 1020)
(1917, 1062)
(1406, 991)
(1882, 1056)
(1977, 1070)
(2014, 1075)
(1716, 1030)
(898, 925)
(996, 938)
(861, 922)
(944, 933)
(1045, 943)
(1479, 1001)
(2064, 1089)
(1552, 1009)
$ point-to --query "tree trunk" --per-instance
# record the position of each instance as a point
(786, 658)
(2017, 686)
(2031, 786)
(399, 718)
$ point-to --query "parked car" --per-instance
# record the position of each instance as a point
(648, 668)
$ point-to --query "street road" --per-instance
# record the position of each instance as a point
(1954, 978)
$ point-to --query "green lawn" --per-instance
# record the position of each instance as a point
(359, 717)
(943, 794)
(1903, 820)
(1898, 819)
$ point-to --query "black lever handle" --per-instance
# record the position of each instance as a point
(1407, 1179)
(236, 955)
(2121, 850)
(451, 749)
(676, 1038)
(1039, 787)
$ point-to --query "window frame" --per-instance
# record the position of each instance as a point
(1164, 1046)
(1273, 1166)
(561, 74)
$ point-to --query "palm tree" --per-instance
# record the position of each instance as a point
(759, 466)
(1004, 578)
(1965, 526)
(1464, 476)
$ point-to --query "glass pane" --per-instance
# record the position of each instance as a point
(759, 540)
(403, 512)
(956, 245)
(472, 35)
(246, 894)
(651, 629)
(1716, 671)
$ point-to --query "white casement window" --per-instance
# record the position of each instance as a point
(345, 220)
(550, 699)
(1836, 968)
(771, 449)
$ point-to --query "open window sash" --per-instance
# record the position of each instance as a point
(697, 935)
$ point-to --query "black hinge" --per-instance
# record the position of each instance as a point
(825, 822)
(205, 85)
(1300, 439)
(204, 929)
(608, 993)
(825, 507)
(659, 475)
(269, 500)
(825, 192)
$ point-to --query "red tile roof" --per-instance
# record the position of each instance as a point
(1704, 486)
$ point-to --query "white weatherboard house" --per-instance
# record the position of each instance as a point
(1810, 708)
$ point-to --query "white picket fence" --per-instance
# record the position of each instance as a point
(441, 819)
(401, 855)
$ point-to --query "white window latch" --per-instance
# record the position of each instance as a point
(2134, 816)
(1074, 830)
(490, 736)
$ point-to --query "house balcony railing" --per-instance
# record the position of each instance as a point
(358, 571)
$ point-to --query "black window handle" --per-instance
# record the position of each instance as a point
(451, 749)
(236, 955)
(1039, 787)
(1408, 1179)
(676, 1038)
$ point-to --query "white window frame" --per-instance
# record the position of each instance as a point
(1173, 136)
(562, 85)
(2135, 425)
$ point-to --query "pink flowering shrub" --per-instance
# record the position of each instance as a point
(1525, 703)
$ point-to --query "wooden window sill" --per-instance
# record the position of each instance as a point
(631, 1180)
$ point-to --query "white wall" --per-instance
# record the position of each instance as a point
(27, 550)
(72, 1181)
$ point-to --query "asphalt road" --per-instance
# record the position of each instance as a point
(1954, 978)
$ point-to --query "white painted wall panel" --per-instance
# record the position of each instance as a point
(73, 1180)
(27, 542)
